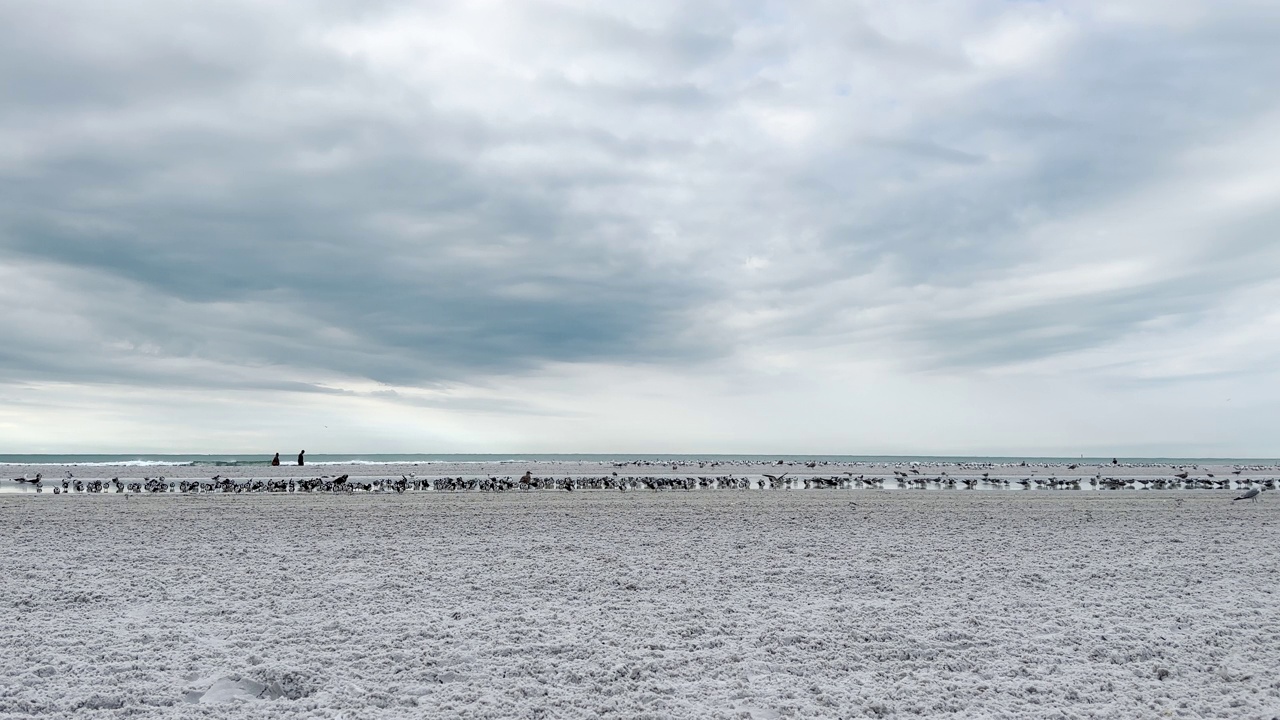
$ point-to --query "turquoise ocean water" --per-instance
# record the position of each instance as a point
(228, 460)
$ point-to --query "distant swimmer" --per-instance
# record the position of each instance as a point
(304, 452)
(276, 460)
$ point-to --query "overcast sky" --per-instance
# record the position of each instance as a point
(960, 227)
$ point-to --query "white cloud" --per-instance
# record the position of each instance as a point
(1024, 41)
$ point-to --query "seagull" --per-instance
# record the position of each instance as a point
(1251, 495)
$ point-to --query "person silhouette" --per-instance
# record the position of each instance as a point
(304, 452)
(276, 460)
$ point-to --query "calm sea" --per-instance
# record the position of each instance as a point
(140, 460)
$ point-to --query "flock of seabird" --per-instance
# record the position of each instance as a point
(912, 478)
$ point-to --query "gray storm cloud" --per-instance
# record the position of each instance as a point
(311, 198)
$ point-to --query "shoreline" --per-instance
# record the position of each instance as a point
(688, 475)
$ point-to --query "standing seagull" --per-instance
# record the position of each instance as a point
(1251, 495)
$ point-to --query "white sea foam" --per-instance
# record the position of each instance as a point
(110, 463)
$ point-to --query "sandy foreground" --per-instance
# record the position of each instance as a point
(727, 604)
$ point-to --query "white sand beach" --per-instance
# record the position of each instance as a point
(664, 605)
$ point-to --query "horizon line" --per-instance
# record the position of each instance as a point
(660, 454)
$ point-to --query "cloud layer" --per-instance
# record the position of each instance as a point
(490, 226)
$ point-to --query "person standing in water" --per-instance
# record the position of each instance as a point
(276, 460)
(304, 452)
